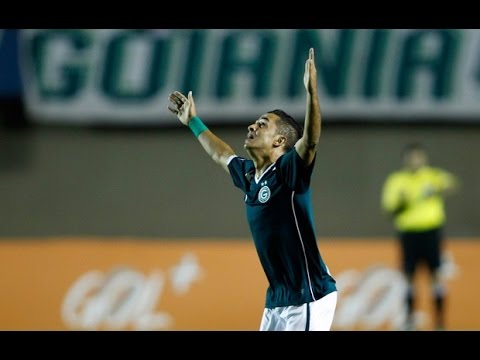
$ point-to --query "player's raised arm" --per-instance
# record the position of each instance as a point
(307, 144)
(184, 108)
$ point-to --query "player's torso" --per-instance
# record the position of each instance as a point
(270, 210)
(281, 224)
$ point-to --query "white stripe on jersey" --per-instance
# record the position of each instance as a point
(303, 247)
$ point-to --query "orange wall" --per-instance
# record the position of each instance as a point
(188, 285)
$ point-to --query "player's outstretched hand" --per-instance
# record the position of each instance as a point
(310, 76)
(182, 106)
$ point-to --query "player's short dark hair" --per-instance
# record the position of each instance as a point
(288, 127)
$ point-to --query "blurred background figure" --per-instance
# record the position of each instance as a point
(414, 197)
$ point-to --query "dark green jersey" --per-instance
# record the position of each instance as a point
(280, 217)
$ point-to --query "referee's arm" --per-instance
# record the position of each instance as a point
(393, 198)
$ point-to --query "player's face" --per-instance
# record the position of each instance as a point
(261, 134)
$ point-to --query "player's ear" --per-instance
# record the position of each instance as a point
(279, 140)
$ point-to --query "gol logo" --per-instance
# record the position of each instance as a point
(124, 298)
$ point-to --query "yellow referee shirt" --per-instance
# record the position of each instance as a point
(419, 193)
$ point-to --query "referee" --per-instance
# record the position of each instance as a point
(414, 197)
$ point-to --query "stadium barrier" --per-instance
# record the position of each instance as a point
(202, 284)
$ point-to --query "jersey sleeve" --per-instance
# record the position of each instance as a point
(294, 172)
(241, 171)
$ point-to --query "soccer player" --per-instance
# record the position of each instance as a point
(302, 293)
(414, 197)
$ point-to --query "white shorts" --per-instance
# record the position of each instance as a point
(314, 316)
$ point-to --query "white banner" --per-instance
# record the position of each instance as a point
(125, 76)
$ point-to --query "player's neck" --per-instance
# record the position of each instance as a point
(262, 162)
(260, 169)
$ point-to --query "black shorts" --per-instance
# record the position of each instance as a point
(420, 247)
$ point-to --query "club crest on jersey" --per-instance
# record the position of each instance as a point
(264, 194)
